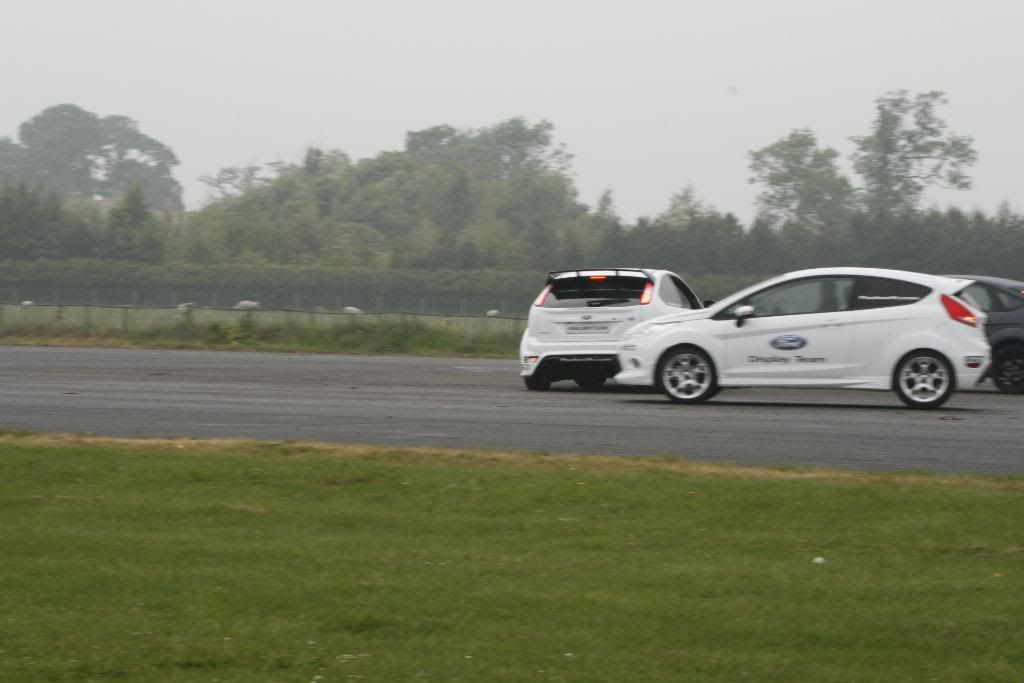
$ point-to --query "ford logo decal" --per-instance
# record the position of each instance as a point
(788, 342)
(587, 317)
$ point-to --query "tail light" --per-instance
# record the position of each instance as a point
(648, 294)
(539, 301)
(958, 312)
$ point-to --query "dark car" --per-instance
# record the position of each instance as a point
(1003, 301)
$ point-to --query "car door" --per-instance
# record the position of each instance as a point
(796, 333)
(881, 309)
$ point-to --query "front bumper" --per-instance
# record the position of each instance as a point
(636, 365)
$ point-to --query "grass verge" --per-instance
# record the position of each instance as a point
(358, 337)
(242, 561)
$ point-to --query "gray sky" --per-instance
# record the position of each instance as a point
(647, 94)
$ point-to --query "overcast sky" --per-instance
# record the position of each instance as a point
(649, 95)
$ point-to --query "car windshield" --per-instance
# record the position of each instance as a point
(579, 290)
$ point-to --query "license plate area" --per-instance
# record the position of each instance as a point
(587, 328)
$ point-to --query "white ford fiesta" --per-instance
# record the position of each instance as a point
(861, 328)
(578, 319)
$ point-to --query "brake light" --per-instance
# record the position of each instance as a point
(539, 301)
(598, 277)
(648, 294)
(958, 312)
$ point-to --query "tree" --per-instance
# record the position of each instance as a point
(802, 184)
(232, 181)
(909, 149)
(133, 234)
(76, 153)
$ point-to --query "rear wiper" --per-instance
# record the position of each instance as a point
(606, 302)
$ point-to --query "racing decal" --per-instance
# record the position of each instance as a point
(788, 342)
(785, 360)
(893, 297)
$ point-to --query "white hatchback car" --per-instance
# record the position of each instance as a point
(577, 321)
(862, 328)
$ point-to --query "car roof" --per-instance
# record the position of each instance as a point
(910, 276)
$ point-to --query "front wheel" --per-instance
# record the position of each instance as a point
(924, 379)
(686, 374)
(1008, 369)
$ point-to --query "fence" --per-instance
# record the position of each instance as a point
(136, 318)
(269, 299)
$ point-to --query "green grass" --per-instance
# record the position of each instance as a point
(191, 561)
(354, 336)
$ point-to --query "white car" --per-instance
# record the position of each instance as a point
(577, 321)
(862, 328)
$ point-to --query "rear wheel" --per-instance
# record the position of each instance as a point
(538, 381)
(590, 382)
(924, 379)
(1008, 369)
(686, 375)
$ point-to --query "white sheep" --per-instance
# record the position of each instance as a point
(26, 304)
(246, 305)
(494, 312)
(352, 310)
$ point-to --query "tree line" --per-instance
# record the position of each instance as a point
(502, 198)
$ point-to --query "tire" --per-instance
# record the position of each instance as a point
(1008, 369)
(686, 374)
(590, 382)
(538, 381)
(924, 379)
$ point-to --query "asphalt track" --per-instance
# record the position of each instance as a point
(462, 403)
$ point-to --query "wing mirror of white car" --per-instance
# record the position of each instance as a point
(742, 313)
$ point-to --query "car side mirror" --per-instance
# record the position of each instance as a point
(708, 302)
(742, 313)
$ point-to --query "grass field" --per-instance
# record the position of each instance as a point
(363, 335)
(242, 562)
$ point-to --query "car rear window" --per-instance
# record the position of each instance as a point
(597, 288)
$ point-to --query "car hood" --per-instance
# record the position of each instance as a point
(682, 316)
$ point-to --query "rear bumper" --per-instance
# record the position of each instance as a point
(567, 360)
(569, 366)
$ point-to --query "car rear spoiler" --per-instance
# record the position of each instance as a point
(554, 274)
(953, 285)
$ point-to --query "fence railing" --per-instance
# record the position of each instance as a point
(135, 318)
(412, 302)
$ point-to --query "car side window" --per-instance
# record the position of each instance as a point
(1008, 301)
(670, 294)
(813, 295)
(675, 293)
(882, 292)
(983, 297)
